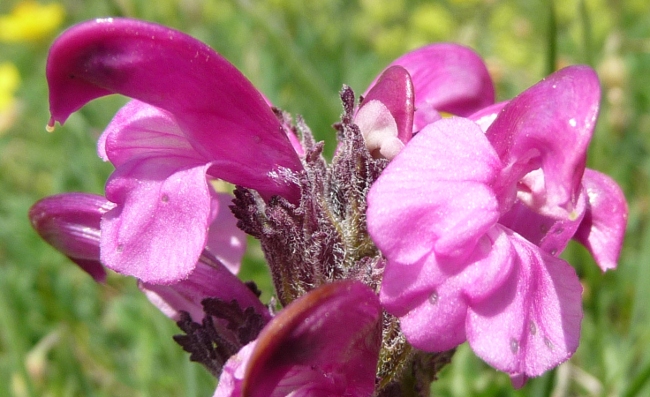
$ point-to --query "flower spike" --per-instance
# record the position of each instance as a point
(440, 220)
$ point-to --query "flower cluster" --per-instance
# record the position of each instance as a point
(425, 230)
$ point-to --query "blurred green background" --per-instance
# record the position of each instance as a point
(61, 334)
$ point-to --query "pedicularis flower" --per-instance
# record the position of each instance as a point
(196, 116)
(472, 221)
(421, 233)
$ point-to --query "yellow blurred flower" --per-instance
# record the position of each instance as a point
(9, 82)
(30, 21)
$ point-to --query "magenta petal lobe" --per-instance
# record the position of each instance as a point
(438, 322)
(156, 201)
(603, 226)
(325, 343)
(532, 323)
(232, 377)
(547, 128)
(210, 279)
(223, 116)
(438, 299)
(139, 130)
(225, 240)
(435, 194)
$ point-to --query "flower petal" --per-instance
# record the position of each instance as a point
(533, 323)
(324, 343)
(449, 78)
(140, 130)
(549, 234)
(486, 116)
(379, 130)
(603, 226)
(405, 287)
(435, 195)
(149, 136)
(157, 200)
(436, 301)
(232, 377)
(394, 89)
(223, 116)
(548, 126)
(210, 279)
(70, 223)
(225, 240)
(437, 324)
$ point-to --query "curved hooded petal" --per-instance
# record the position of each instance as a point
(222, 115)
(603, 226)
(394, 90)
(325, 343)
(210, 279)
(70, 223)
(448, 78)
(548, 126)
(532, 323)
(435, 196)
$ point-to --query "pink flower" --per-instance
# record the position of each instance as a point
(196, 118)
(326, 343)
(210, 303)
(468, 217)
(412, 91)
(472, 223)
(70, 222)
